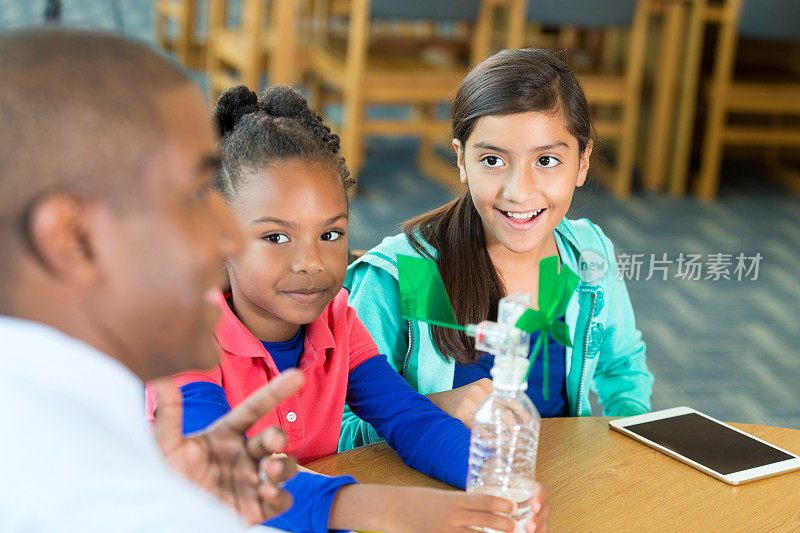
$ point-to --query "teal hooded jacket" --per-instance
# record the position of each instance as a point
(607, 354)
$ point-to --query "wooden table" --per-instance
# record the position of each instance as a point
(600, 480)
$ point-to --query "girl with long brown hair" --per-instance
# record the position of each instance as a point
(523, 137)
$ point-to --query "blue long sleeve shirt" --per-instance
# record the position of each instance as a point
(312, 494)
(424, 437)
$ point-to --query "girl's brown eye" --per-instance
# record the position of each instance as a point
(492, 161)
(276, 238)
(331, 235)
(547, 161)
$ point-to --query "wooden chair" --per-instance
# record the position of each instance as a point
(362, 68)
(187, 46)
(266, 41)
(605, 87)
(731, 99)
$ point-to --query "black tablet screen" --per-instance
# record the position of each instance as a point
(708, 443)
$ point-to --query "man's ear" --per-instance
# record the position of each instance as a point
(583, 169)
(462, 173)
(59, 237)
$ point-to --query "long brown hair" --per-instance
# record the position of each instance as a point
(509, 82)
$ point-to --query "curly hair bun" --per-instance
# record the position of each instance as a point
(287, 102)
(232, 105)
(284, 101)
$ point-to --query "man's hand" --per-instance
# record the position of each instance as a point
(462, 402)
(237, 470)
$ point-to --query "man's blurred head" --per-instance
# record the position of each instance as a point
(109, 227)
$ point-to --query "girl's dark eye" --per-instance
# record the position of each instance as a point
(276, 238)
(331, 235)
(547, 161)
(492, 161)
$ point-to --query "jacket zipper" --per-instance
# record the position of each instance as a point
(585, 352)
(410, 349)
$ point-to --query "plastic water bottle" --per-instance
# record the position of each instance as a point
(505, 430)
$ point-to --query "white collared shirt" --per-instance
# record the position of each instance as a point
(75, 453)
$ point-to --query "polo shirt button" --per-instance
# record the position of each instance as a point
(291, 416)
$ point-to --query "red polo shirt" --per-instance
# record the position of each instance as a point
(335, 343)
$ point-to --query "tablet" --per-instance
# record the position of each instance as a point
(711, 446)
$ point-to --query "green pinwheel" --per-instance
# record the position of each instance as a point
(555, 290)
(422, 293)
(424, 298)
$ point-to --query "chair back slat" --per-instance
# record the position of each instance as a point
(582, 13)
(772, 20)
(233, 13)
(433, 10)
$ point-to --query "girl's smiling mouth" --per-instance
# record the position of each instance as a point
(522, 219)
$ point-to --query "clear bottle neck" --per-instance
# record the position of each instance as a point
(508, 393)
(508, 375)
